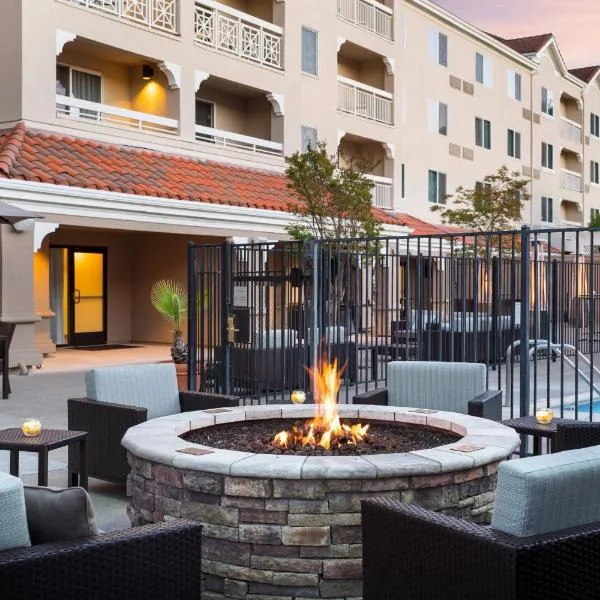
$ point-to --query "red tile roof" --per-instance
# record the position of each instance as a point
(527, 45)
(585, 73)
(33, 155)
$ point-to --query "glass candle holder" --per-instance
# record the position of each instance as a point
(31, 427)
(298, 397)
(544, 415)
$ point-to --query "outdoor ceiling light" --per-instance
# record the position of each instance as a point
(147, 72)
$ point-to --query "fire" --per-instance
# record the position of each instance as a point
(325, 429)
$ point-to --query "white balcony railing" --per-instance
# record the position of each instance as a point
(570, 180)
(155, 14)
(102, 114)
(382, 192)
(569, 130)
(237, 141)
(364, 101)
(368, 14)
(235, 32)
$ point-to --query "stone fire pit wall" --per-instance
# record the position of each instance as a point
(288, 526)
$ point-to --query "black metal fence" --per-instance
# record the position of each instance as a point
(526, 303)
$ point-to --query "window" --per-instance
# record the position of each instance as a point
(308, 138)
(205, 113)
(310, 49)
(548, 102)
(438, 47)
(483, 133)
(594, 172)
(595, 125)
(547, 212)
(594, 213)
(82, 85)
(438, 117)
(437, 187)
(547, 156)
(514, 143)
(514, 85)
(483, 69)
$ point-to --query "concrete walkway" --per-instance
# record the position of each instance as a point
(43, 395)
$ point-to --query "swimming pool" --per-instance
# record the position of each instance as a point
(583, 409)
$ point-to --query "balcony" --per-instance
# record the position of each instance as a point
(364, 101)
(570, 131)
(162, 15)
(368, 14)
(570, 180)
(237, 141)
(237, 33)
(113, 116)
(382, 192)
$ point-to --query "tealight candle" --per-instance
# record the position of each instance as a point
(31, 427)
(544, 415)
(298, 397)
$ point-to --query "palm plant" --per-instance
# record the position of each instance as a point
(170, 299)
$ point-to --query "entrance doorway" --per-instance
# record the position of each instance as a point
(78, 295)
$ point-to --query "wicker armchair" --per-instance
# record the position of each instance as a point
(152, 562)
(455, 387)
(119, 398)
(416, 554)
(576, 434)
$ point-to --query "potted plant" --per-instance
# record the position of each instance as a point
(169, 298)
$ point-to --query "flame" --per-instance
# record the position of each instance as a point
(325, 429)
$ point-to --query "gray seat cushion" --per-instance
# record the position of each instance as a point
(548, 493)
(55, 515)
(151, 386)
(13, 519)
(435, 385)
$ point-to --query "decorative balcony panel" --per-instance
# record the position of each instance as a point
(237, 141)
(231, 31)
(382, 192)
(113, 116)
(571, 131)
(368, 14)
(570, 180)
(364, 101)
(154, 14)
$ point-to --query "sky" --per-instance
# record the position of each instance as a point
(573, 22)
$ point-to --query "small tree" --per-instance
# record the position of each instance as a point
(333, 201)
(494, 206)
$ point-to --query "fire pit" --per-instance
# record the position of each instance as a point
(279, 525)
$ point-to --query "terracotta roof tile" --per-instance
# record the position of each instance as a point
(32, 155)
(585, 73)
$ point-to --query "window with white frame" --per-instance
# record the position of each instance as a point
(80, 84)
(308, 138)
(595, 125)
(547, 156)
(547, 210)
(594, 213)
(548, 102)
(437, 117)
(310, 51)
(483, 133)
(515, 84)
(438, 47)
(594, 172)
(513, 142)
(483, 69)
(437, 187)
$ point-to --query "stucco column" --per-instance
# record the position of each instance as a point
(188, 86)
(16, 294)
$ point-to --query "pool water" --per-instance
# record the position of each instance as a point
(583, 408)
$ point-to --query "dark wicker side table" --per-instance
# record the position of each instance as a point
(16, 441)
(530, 426)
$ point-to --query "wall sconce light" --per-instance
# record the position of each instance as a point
(147, 72)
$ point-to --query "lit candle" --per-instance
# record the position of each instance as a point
(31, 427)
(298, 397)
(544, 415)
